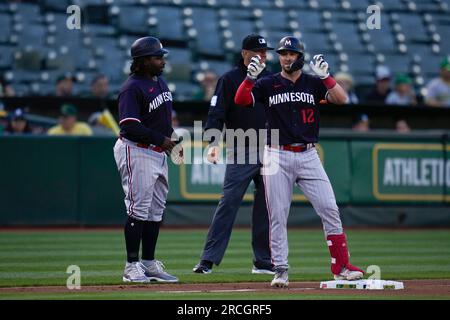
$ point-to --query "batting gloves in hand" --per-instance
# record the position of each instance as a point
(213, 154)
(320, 66)
(255, 67)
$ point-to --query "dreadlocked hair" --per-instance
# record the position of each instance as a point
(137, 66)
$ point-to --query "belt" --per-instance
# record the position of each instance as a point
(143, 145)
(295, 147)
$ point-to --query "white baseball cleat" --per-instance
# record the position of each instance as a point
(256, 270)
(281, 279)
(134, 273)
(347, 274)
(154, 271)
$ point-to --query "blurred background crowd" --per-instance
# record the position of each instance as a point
(57, 81)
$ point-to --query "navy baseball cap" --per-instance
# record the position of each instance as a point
(255, 42)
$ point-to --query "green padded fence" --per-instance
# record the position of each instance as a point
(377, 179)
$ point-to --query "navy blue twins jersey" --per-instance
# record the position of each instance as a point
(147, 101)
(292, 108)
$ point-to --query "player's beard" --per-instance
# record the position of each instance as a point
(155, 71)
(287, 68)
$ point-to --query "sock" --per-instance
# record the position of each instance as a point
(150, 234)
(133, 234)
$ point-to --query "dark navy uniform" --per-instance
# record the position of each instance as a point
(291, 108)
(148, 101)
(145, 119)
(140, 160)
(237, 176)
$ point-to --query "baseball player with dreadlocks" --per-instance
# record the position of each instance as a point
(145, 114)
(291, 99)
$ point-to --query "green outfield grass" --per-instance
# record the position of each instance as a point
(38, 258)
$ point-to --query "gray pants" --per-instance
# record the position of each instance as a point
(144, 175)
(305, 170)
(236, 182)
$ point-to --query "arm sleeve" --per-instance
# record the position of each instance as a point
(141, 133)
(129, 105)
(243, 95)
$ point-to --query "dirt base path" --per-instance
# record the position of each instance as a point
(431, 288)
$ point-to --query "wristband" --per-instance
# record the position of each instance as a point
(329, 82)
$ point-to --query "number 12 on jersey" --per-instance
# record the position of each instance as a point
(308, 115)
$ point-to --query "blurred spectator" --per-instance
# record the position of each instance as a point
(102, 123)
(361, 123)
(3, 119)
(68, 124)
(18, 123)
(175, 122)
(345, 80)
(438, 89)
(64, 85)
(382, 87)
(403, 93)
(402, 126)
(100, 86)
(208, 86)
(176, 125)
(6, 90)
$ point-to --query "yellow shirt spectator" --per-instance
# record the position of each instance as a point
(68, 124)
(79, 129)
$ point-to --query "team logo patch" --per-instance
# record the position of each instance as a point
(287, 42)
(213, 101)
(262, 40)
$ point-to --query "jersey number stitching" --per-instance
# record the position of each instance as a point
(308, 115)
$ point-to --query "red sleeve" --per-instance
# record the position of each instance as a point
(243, 95)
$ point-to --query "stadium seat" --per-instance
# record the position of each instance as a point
(316, 42)
(398, 63)
(32, 34)
(274, 19)
(28, 59)
(56, 5)
(413, 27)
(360, 63)
(172, 31)
(132, 19)
(383, 39)
(183, 91)
(6, 56)
(327, 4)
(310, 20)
(27, 13)
(5, 27)
(348, 36)
(294, 4)
(359, 5)
(99, 30)
(240, 29)
(234, 13)
(219, 67)
(393, 5)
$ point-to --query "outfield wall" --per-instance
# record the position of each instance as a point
(379, 180)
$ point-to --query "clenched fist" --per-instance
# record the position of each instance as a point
(255, 67)
(319, 66)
